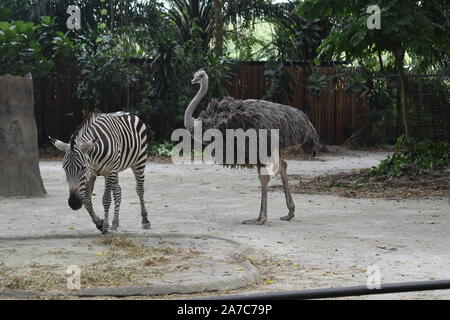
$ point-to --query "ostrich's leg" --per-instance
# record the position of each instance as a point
(287, 192)
(264, 179)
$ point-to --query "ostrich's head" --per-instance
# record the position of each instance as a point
(199, 77)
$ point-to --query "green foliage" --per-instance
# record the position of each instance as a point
(106, 74)
(28, 47)
(169, 90)
(194, 20)
(161, 149)
(252, 43)
(414, 158)
(317, 82)
(419, 27)
(297, 38)
(429, 98)
(279, 88)
(382, 98)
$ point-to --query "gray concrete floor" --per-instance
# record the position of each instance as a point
(331, 242)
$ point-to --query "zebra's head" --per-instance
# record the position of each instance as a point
(76, 165)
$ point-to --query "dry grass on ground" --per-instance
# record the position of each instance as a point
(123, 261)
(356, 184)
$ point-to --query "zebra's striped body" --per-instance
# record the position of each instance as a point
(104, 145)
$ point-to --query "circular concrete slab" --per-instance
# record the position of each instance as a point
(122, 265)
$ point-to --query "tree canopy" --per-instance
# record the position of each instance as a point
(177, 37)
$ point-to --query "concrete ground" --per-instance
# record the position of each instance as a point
(331, 242)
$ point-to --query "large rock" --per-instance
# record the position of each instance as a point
(19, 155)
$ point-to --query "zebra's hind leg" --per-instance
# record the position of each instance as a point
(139, 175)
(117, 195)
(110, 182)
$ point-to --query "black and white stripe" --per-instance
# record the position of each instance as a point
(104, 145)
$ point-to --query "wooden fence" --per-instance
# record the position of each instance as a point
(57, 109)
(335, 112)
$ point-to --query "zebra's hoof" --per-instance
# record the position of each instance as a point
(146, 225)
(114, 226)
(99, 225)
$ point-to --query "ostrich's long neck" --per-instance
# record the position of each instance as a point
(188, 119)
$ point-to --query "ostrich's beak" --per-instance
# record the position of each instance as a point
(193, 81)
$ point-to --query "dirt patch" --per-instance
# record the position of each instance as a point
(296, 153)
(159, 159)
(356, 184)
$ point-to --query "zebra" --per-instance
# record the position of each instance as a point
(105, 144)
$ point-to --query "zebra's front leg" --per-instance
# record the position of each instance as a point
(87, 201)
(117, 195)
(92, 184)
(110, 182)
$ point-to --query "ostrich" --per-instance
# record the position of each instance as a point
(229, 113)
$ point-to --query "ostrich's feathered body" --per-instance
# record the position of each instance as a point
(229, 113)
(293, 124)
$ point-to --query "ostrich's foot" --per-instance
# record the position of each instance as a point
(257, 221)
(289, 216)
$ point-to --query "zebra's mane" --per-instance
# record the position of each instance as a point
(86, 122)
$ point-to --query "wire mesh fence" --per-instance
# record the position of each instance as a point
(429, 103)
(427, 106)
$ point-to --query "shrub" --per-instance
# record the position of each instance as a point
(27, 47)
(417, 158)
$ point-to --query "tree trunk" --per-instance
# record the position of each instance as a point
(19, 156)
(218, 27)
(399, 65)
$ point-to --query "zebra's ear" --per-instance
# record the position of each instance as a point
(59, 144)
(88, 146)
